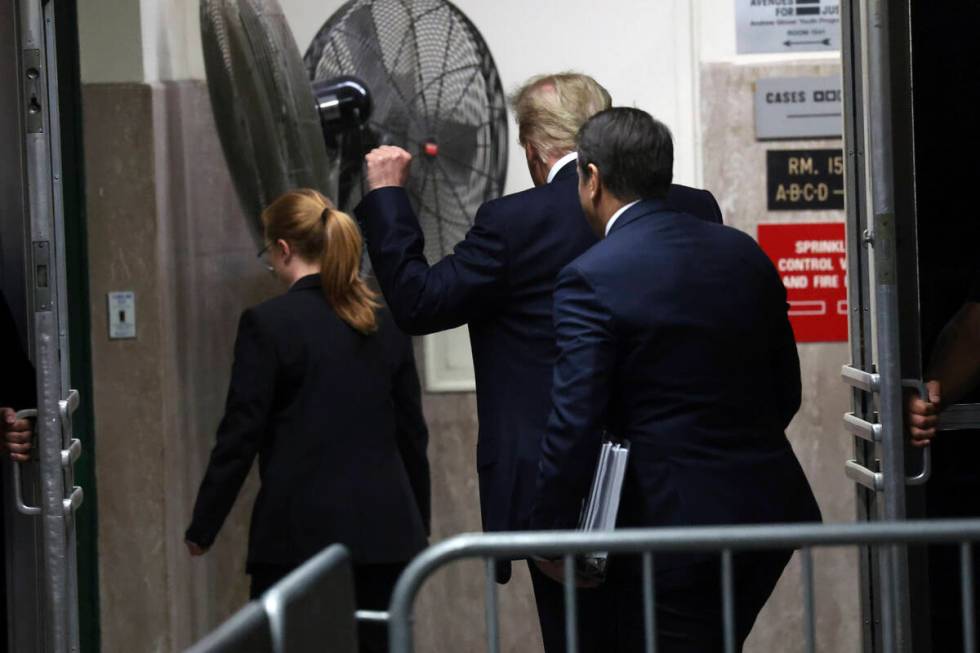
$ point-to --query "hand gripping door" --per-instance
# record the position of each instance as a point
(55, 448)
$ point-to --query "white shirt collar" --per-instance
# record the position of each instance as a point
(621, 211)
(571, 156)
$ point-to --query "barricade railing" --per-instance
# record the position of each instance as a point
(725, 540)
(312, 605)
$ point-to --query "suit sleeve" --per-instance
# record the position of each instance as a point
(462, 287)
(246, 419)
(580, 396)
(411, 431)
(785, 357)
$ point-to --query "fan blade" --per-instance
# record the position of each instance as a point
(263, 103)
(435, 91)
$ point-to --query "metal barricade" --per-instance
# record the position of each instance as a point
(726, 540)
(247, 631)
(311, 606)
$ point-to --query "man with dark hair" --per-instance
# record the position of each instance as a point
(672, 334)
(499, 281)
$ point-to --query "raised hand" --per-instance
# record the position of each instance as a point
(387, 166)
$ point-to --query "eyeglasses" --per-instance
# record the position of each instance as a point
(264, 258)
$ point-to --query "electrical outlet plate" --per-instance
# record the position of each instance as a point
(122, 315)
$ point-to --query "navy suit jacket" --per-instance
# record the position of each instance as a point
(673, 333)
(499, 281)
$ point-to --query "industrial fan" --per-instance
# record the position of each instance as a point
(412, 73)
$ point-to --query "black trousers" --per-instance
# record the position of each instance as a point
(953, 492)
(373, 585)
(688, 605)
(549, 595)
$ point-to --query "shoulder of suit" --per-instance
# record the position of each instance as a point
(518, 203)
(281, 307)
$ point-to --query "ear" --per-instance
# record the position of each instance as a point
(530, 152)
(594, 183)
(287, 251)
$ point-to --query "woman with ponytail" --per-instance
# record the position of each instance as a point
(325, 391)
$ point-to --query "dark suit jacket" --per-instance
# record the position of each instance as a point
(17, 383)
(499, 281)
(673, 333)
(335, 418)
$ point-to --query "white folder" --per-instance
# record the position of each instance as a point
(601, 507)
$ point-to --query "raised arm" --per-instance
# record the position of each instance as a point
(460, 288)
(246, 418)
(580, 397)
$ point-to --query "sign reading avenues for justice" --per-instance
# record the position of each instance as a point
(765, 26)
(812, 262)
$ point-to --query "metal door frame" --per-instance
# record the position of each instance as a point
(884, 310)
(25, 622)
(57, 498)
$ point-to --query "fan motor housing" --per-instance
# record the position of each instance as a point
(343, 102)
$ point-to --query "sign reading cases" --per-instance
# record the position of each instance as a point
(812, 262)
(787, 25)
(799, 107)
(805, 180)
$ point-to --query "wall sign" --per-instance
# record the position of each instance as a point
(805, 180)
(799, 107)
(787, 25)
(812, 261)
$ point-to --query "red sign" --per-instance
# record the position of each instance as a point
(812, 262)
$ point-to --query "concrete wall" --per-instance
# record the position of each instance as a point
(164, 221)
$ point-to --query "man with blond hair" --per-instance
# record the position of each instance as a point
(500, 281)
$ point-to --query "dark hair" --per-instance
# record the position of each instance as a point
(633, 151)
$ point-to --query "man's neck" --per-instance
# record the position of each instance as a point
(613, 211)
(558, 162)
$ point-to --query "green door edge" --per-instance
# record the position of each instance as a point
(86, 522)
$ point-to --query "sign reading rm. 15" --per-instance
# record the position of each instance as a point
(805, 180)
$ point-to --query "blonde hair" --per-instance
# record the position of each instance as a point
(316, 230)
(550, 109)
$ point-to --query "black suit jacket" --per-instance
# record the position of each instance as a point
(336, 420)
(673, 333)
(17, 383)
(499, 280)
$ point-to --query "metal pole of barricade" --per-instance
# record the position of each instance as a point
(969, 613)
(729, 539)
(649, 604)
(571, 613)
(493, 622)
(728, 600)
(809, 624)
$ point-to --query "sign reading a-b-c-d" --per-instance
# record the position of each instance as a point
(787, 25)
(812, 262)
(804, 180)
